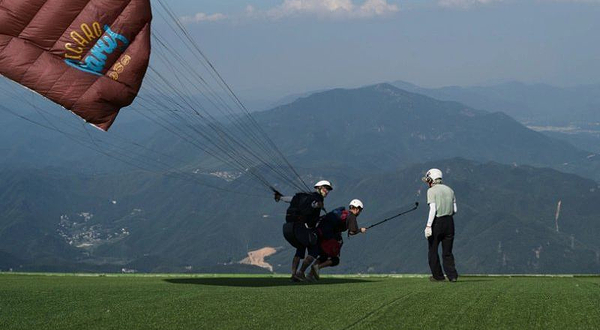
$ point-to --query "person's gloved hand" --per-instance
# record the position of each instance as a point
(277, 196)
(428, 232)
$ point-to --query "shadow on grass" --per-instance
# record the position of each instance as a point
(258, 282)
(460, 280)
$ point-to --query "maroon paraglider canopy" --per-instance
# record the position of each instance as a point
(90, 56)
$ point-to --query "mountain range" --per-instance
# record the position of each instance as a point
(541, 104)
(67, 209)
(506, 222)
(383, 127)
(568, 113)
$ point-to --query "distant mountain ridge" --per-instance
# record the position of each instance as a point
(379, 127)
(540, 104)
(571, 114)
(384, 127)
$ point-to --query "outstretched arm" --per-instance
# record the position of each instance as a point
(279, 197)
(353, 228)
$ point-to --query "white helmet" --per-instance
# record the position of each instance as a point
(432, 175)
(324, 183)
(357, 203)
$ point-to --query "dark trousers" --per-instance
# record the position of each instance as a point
(443, 232)
(302, 238)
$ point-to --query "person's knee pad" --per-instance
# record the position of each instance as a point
(335, 261)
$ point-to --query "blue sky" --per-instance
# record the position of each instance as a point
(279, 47)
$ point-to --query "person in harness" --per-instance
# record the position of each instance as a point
(330, 230)
(299, 230)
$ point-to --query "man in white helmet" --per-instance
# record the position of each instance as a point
(440, 226)
(299, 230)
(330, 228)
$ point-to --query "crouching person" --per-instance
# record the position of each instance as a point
(330, 230)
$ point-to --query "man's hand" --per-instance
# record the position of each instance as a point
(277, 196)
(428, 232)
(363, 230)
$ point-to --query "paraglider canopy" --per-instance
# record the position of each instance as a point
(89, 56)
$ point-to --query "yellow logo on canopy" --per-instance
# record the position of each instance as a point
(81, 38)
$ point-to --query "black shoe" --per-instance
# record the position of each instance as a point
(433, 279)
(298, 278)
(452, 279)
(314, 272)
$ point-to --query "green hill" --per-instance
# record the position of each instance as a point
(506, 221)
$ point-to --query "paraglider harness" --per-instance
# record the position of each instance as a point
(330, 229)
(301, 219)
(301, 209)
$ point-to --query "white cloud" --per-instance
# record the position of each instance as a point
(332, 9)
(465, 3)
(202, 17)
(471, 3)
(337, 9)
(377, 8)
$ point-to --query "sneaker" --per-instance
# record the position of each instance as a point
(300, 277)
(295, 279)
(310, 278)
(452, 279)
(314, 272)
(433, 279)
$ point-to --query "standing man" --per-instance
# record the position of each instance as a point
(299, 230)
(440, 226)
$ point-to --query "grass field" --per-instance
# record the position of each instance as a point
(29, 301)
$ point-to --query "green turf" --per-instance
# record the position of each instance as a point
(263, 302)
